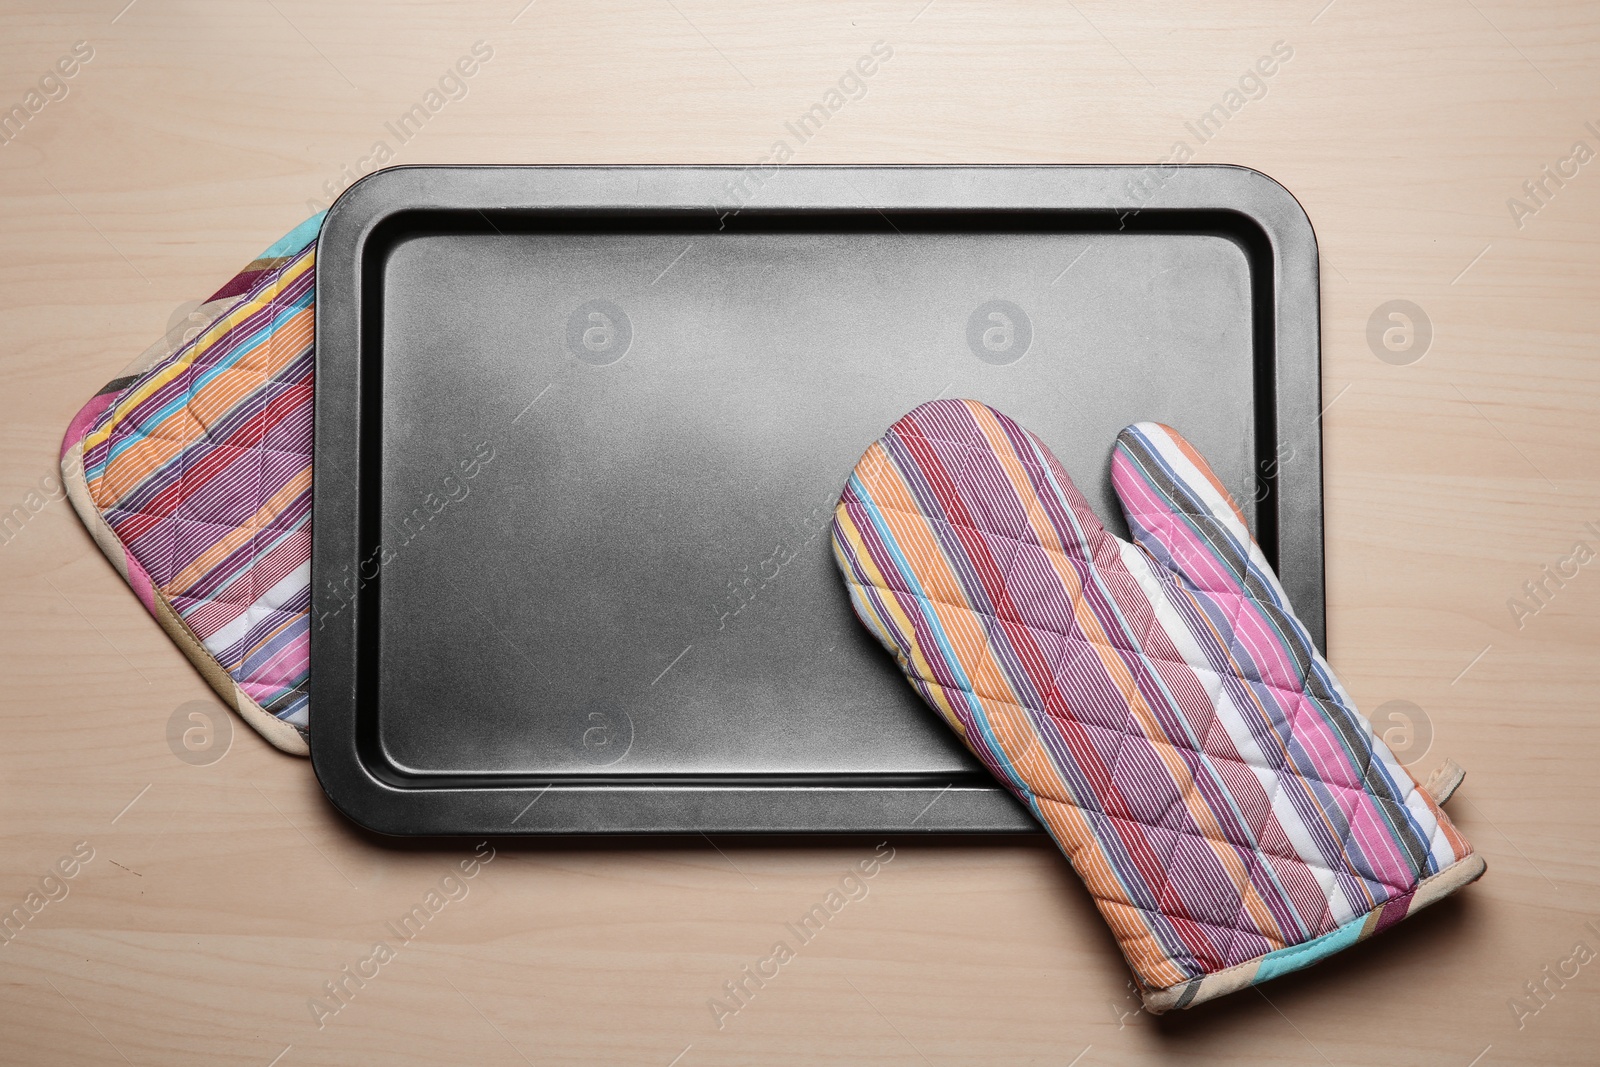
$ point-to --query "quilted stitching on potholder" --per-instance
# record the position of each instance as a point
(222, 524)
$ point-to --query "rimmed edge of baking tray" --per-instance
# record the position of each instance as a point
(381, 798)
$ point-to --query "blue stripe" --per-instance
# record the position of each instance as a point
(297, 238)
(177, 403)
(1318, 668)
(1198, 504)
(903, 566)
(1295, 957)
(1139, 894)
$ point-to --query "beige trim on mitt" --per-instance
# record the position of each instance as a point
(1194, 991)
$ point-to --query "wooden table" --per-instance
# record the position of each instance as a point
(220, 899)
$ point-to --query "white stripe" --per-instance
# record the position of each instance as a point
(1234, 724)
(1438, 844)
(293, 584)
(1199, 485)
(1185, 469)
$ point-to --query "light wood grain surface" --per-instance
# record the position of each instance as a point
(221, 898)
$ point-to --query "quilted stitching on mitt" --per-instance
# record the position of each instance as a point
(1156, 705)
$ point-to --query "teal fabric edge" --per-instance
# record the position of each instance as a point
(297, 238)
(1296, 957)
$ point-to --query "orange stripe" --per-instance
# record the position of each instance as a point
(1128, 924)
(917, 542)
(1018, 740)
(172, 435)
(1019, 743)
(1204, 818)
(1205, 470)
(1012, 727)
(911, 660)
(208, 337)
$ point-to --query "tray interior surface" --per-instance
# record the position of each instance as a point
(637, 580)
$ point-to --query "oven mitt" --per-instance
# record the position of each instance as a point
(1157, 706)
(192, 472)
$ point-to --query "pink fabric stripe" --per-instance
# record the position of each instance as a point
(139, 582)
(1195, 556)
(280, 672)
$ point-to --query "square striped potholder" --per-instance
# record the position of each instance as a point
(193, 473)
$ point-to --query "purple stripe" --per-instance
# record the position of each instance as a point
(1311, 799)
(247, 554)
(262, 649)
(223, 433)
(1050, 732)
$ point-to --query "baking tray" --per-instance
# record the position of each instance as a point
(579, 431)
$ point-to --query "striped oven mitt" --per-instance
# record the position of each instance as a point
(1157, 705)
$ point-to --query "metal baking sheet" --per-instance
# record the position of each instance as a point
(579, 431)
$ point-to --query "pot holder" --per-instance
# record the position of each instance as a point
(193, 473)
(1157, 706)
